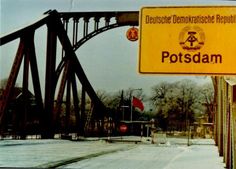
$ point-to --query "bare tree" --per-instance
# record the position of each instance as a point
(162, 96)
(208, 100)
(176, 103)
(3, 83)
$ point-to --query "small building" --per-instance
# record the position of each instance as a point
(22, 117)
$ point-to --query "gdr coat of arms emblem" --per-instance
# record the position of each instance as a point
(191, 38)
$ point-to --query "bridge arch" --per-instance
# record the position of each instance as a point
(119, 19)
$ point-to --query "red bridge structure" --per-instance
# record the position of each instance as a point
(65, 74)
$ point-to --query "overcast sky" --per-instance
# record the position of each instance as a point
(109, 60)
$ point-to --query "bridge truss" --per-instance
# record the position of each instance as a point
(65, 75)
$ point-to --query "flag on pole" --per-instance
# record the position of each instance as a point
(137, 103)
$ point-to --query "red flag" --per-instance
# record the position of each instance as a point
(137, 103)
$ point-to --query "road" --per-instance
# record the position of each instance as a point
(140, 157)
(102, 155)
(156, 157)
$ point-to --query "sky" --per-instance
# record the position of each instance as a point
(110, 61)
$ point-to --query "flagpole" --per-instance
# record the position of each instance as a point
(131, 108)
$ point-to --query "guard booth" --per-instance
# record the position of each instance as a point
(140, 128)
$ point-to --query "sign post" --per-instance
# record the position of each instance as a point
(188, 40)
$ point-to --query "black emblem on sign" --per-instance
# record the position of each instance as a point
(191, 38)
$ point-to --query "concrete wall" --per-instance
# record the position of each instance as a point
(234, 128)
(225, 121)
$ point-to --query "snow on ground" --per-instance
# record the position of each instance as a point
(197, 157)
(156, 157)
(142, 157)
(33, 153)
(175, 154)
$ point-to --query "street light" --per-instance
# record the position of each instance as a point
(131, 106)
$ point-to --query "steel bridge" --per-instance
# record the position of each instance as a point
(66, 74)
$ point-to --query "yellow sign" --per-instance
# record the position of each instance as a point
(188, 40)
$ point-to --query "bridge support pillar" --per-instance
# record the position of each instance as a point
(48, 125)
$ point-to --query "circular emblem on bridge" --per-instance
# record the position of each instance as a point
(132, 34)
(191, 38)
